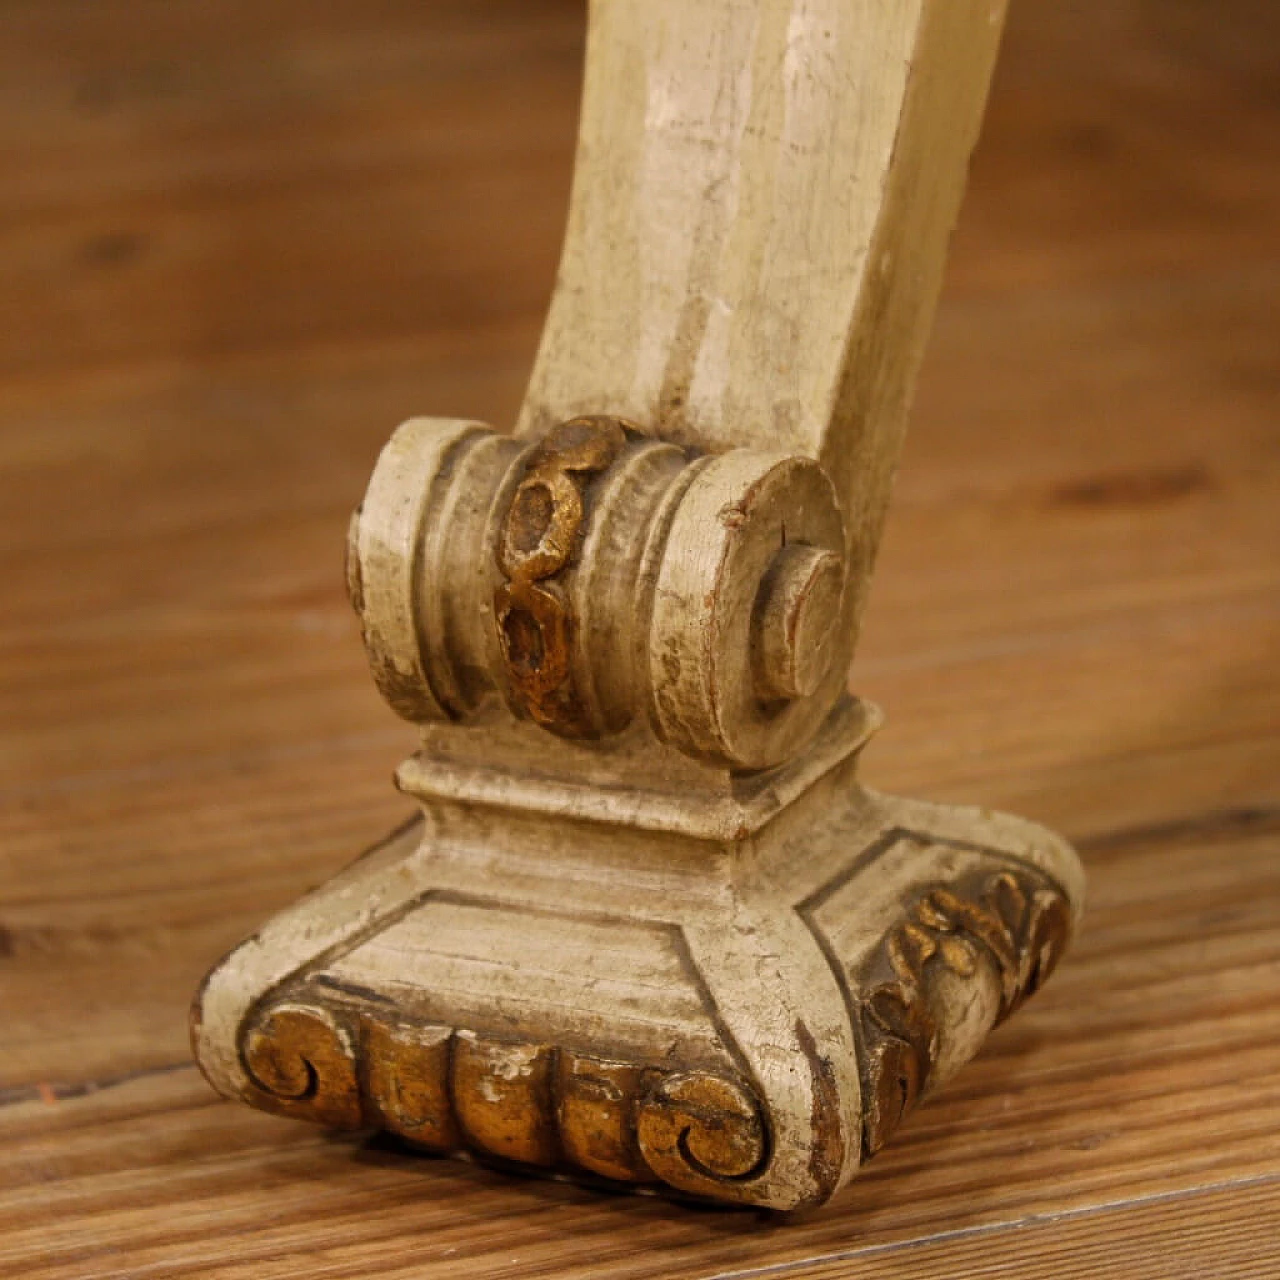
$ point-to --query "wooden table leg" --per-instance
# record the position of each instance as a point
(650, 925)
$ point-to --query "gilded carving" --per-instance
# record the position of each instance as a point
(596, 1115)
(302, 1061)
(1019, 922)
(530, 1103)
(502, 1096)
(407, 1092)
(697, 1131)
(538, 540)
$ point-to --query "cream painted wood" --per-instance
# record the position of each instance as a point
(761, 207)
(650, 926)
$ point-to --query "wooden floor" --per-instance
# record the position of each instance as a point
(240, 241)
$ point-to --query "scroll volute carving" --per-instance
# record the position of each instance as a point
(596, 576)
(682, 529)
(525, 1102)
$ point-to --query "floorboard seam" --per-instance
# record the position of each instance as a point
(996, 1228)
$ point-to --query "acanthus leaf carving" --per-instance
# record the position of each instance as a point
(1019, 921)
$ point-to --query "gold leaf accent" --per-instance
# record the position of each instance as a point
(532, 1103)
(537, 543)
(301, 1061)
(697, 1131)
(407, 1085)
(1020, 922)
(596, 1114)
(502, 1094)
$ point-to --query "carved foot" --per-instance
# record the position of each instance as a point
(743, 1020)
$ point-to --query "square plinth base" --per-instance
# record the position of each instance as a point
(746, 1020)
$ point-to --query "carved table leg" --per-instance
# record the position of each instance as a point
(648, 924)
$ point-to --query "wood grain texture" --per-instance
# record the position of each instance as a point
(238, 242)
